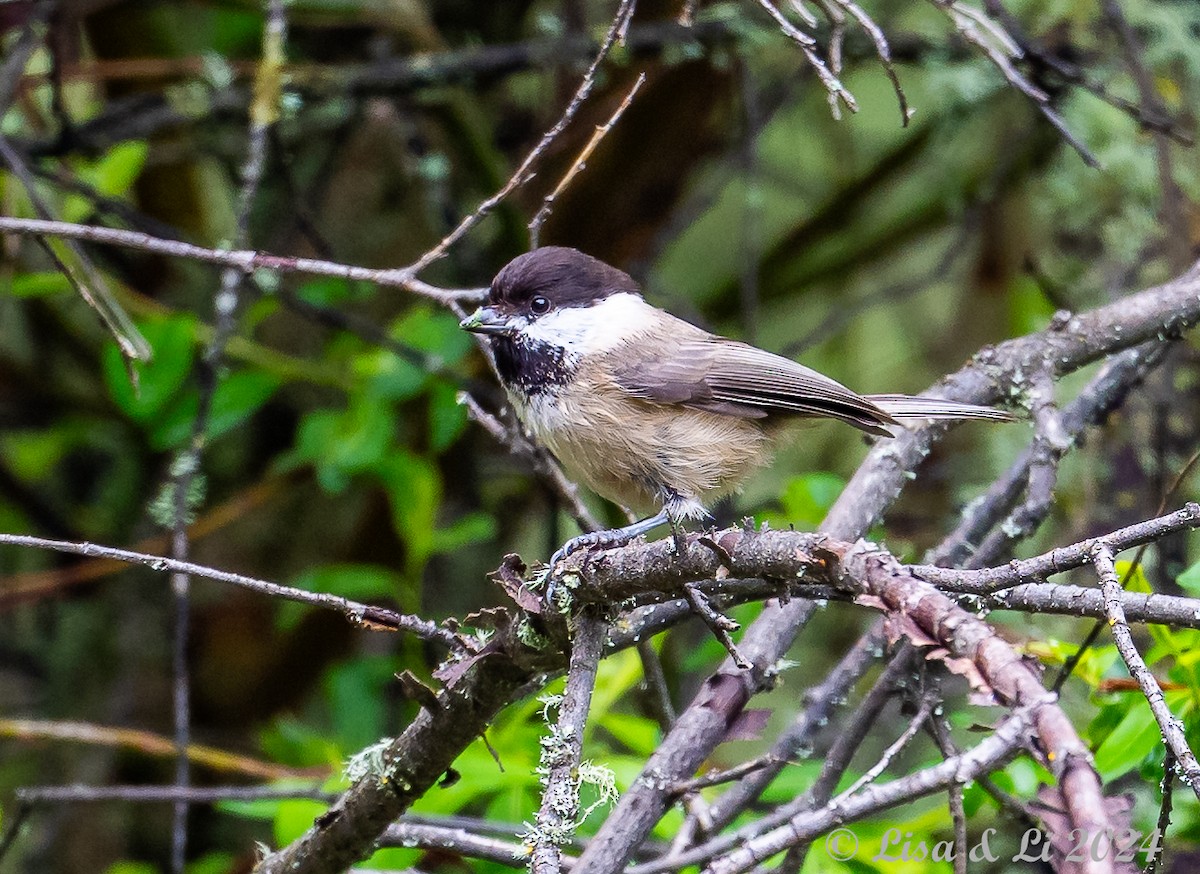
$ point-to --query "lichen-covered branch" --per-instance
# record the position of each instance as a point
(562, 748)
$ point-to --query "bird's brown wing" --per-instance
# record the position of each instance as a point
(734, 379)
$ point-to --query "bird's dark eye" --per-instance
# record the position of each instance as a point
(539, 305)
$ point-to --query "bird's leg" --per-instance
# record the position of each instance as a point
(610, 536)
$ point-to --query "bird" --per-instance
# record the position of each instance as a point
(646, 409)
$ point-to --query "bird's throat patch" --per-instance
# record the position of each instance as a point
(534, 366)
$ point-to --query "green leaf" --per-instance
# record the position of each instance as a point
(392, 859)
(447, 417)
(292, 742)
(294, 818)
(39, 284)
(115, 173)
(237, 397)
(265, 809)
(808, 498)
(1189, 580)
(434, 332)
(128, 867)
(160, 380)
(112, 175)
(1136, 577)
(639, 733)
(388, 376)
(1134, 738)
(342, 443)
(1029, 309)
(414, 490)
(357, 694)
(172, 427)
(325, 291)
(213, 863)
(1093, 664)
(470, 528)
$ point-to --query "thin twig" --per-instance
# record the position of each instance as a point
(34, 585)
(146, 743)
(535, 224)
(247, 261)
(808, 47)
(1173, 207)
(364, 615)
(1050, 443)
(834, 766)
(719, 624)
(1170, 726)
(716, 778)
(1064, 600)
(1104, 393)
(989, 755)
(846, 745)
(523, 172)
(186, 795)
(186, 469)
(14, 821)
(796, 741)
(1076, 657)
(939, 728)
(1167, 786)
(986, 580)
(1000, 49)
(882, 50)
(459, 841)
(655, 682)
(19, 53)
(893, 750)
(1157, 120)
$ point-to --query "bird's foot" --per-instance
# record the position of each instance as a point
(592, 540)
(598, 540)
(586, 541)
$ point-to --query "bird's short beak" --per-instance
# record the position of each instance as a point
(486, 320)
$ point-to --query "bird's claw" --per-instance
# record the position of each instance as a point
(588, 540)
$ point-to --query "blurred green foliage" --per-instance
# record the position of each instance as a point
(883, 255)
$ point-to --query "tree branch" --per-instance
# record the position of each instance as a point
(994, 373)
(1065, 558)
(989, 755)
(365, 615)
(1170, 726)
(562, 749)
(246, 261)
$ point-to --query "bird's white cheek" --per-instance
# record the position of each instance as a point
(599, 328)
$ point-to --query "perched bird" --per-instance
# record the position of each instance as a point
(648, 410)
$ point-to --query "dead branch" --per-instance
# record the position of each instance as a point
(1170, 725)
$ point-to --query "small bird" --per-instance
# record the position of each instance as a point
(648, 410)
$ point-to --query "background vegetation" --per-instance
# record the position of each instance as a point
(336, 456)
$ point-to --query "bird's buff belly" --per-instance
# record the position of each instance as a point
(640, 455)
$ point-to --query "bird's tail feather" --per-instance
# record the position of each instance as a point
(908, 407)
